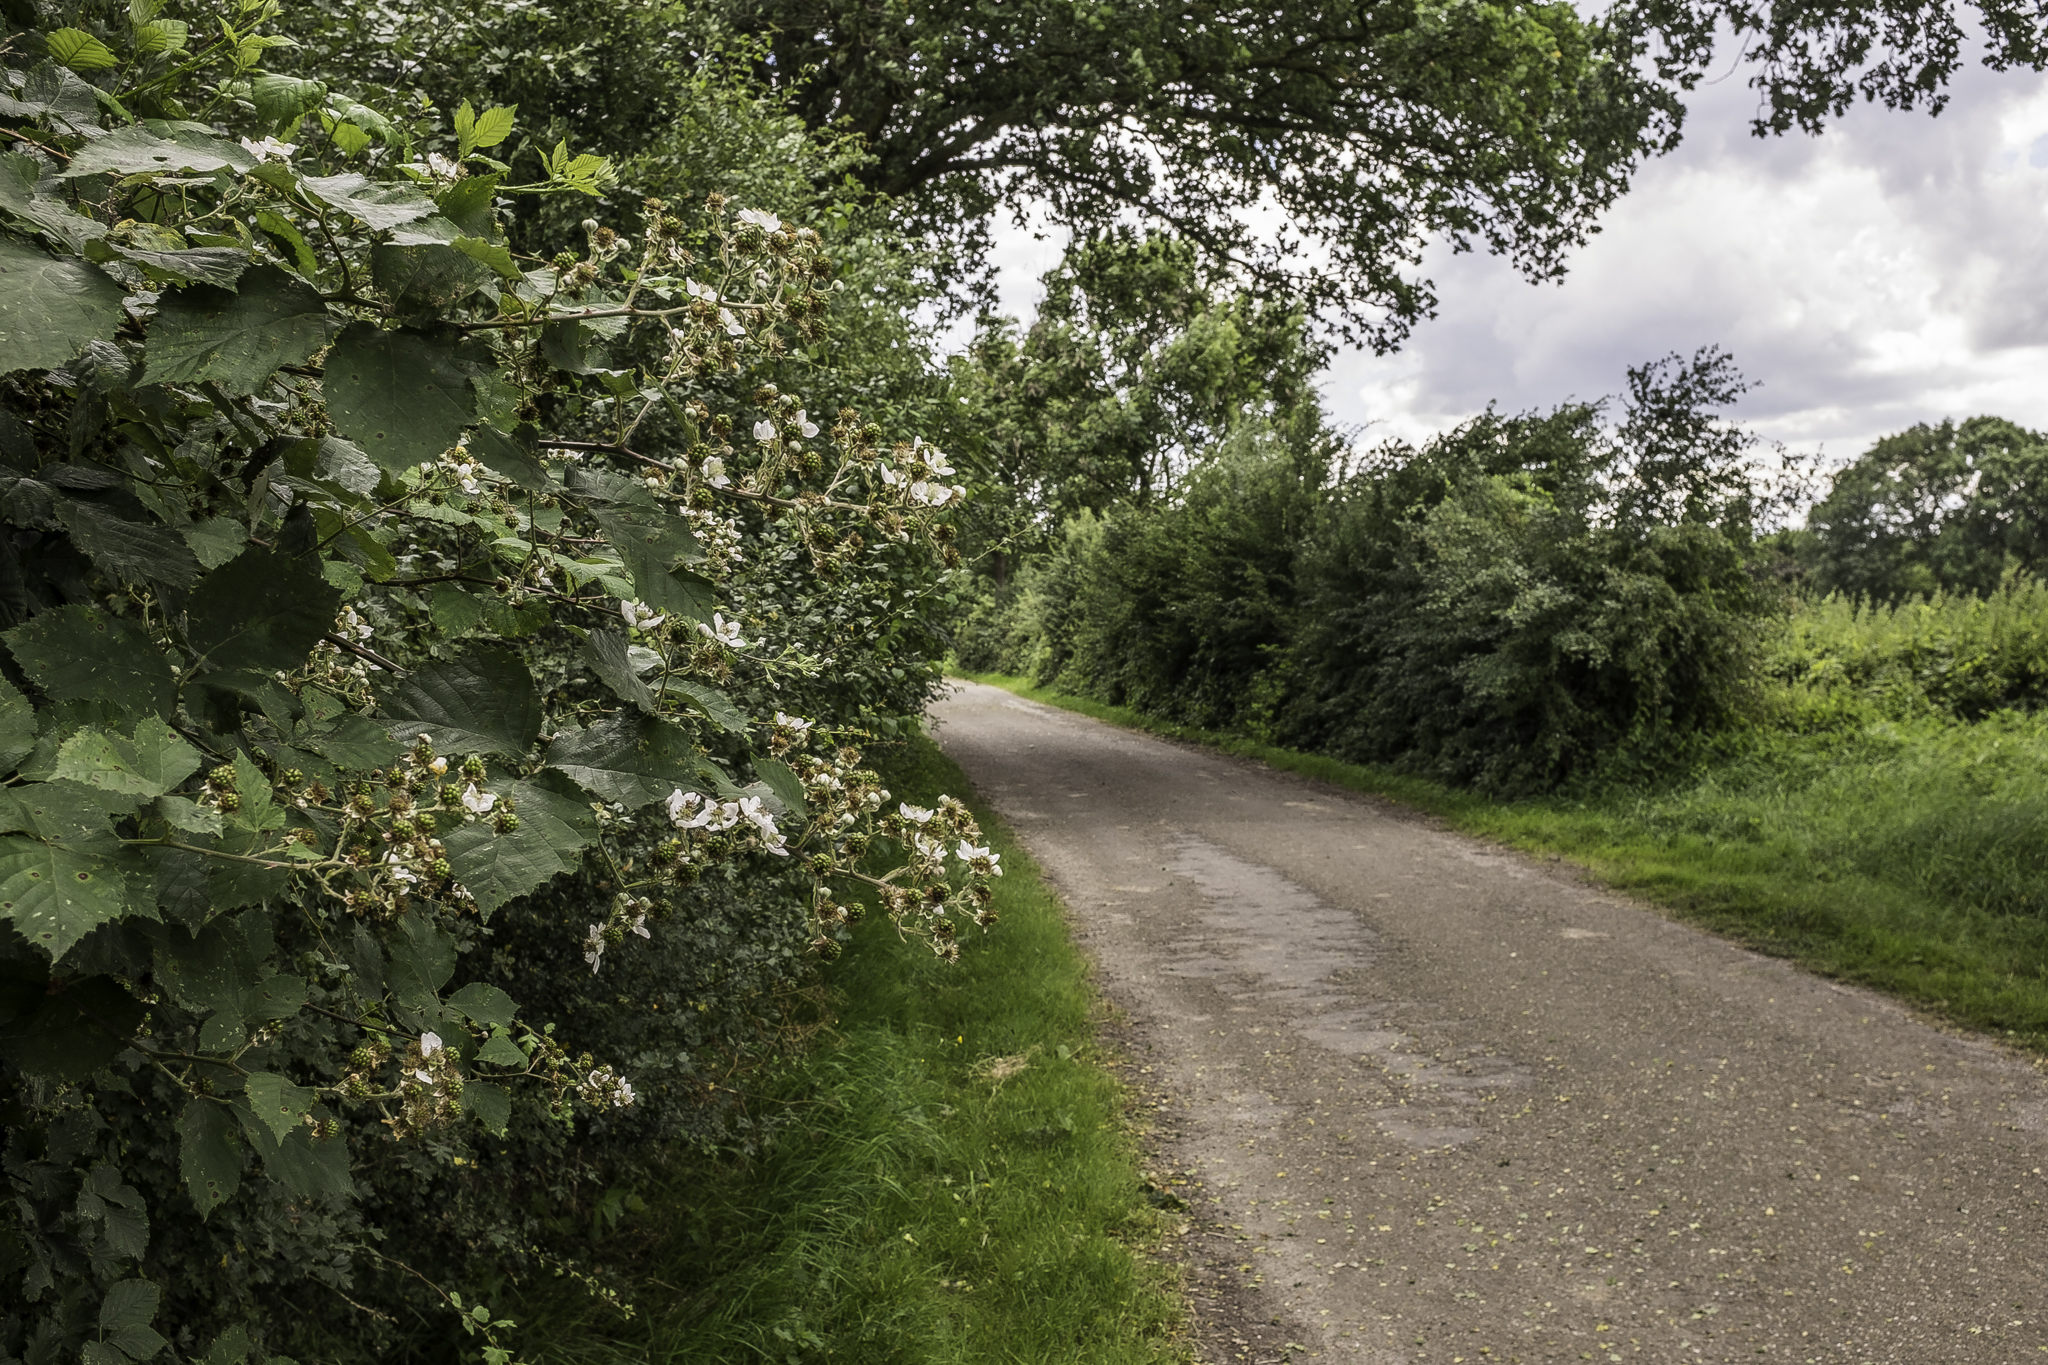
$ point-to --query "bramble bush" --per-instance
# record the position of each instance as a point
(432, 693)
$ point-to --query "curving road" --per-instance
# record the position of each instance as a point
(1449, 1104)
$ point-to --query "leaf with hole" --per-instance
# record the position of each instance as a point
(81, 653)
(403, 396)
(155, 761)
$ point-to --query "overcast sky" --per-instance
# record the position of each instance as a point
(1889, 272)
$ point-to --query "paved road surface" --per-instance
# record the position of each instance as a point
(1448, 1103)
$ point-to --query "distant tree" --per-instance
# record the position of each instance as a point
(1933, 508)
(1136, 365)
(1316, 144)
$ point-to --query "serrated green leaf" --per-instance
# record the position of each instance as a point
(380, 207)
(131, 1303)
(481, 701)
(484, 1004)
(465, 128)
(492, 1105)
(605, 652)
(17, 726)
(454, 611)
(515, 456)
(403, 396)
(261, 611)
(258, 811)
(490, 255)
(54, 896)
(349, 139)
(633, 760)
(79, 50)
(553, 831)
(231, 1347)
(471, 204)
(152, 763)
(80, 653)
(311, 1167)
(421, 269)
(215, 265)
(285, 234)
(783, 781)
(709, 702)
(284, 100)
(129, 551)
(50, 308)
(58, 812)
(494, 125)
(209, 1154)
(356, 744)
(281, 1105)
(500, 1050)
(236, 339)
(216, 540)
(422, 960)
(182, 813)
(162, 36)
(135, 150)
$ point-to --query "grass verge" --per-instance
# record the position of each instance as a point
(1906, 859)
(951, 1184)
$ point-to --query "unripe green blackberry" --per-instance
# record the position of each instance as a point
(451, 795)
(507, 821)
(442, 868)
(230, 801)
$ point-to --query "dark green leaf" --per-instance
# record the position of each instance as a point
(309, 1166)
(281, 1105)
(513, 456)
(215, 265)
(237, 339)
(490, 255)
(17, 726)
(470, 204)
(633, 760)
(605, 652)
(281, 101)
(484, 1004)
(285, 234)
(59, 812)
(130, 551)
(180, 813)
(209, 1153)
(420, 266)
(50, 308)
(500, 1050)
(54, 896)
(492, 1105)
(481, 701)
(650, 542)
(381, 207)
(496, 867)
(709, 701)
(565, 344)
(356, 743)
(403, 396)
(131, 1303)
(136, 150)
(80, 653)
(261, 611)
(422, 960)
(231, 1347)
(783, 782)
(155, 761)
(216, 541)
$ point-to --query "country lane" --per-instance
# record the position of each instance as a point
(1447, 1103)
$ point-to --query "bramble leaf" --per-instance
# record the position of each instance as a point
(135, 150)
(152, 763)
(80, 653)
(237, 339)
(403, 396)
(709, 701)
(209, 1154)
(605, 652)
(261, 611)
(17, 726)
(484, 1004)
(633, 760)
(53, 895)
(281, 1105)
(498, 867)
(380, 207)
(481, 701)
(79, 50)
(513, 456)
(130, 551)
(492, 1105)
(783, 781)
(49, 308)
(68, 1035)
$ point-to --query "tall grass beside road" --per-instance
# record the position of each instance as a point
(1909, 855)
(946, 1178)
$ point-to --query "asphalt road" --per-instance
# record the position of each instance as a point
(1446, 1103)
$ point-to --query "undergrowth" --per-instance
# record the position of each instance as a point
(1905, 855)
(946, 1177)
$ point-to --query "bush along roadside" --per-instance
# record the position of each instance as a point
(396, 798)
(1904, 856)
(944, 1176)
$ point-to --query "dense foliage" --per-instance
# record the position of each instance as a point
(1948, 508)
(433, 679)
(1512, 604)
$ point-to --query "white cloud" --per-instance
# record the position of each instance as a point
(1886, 273)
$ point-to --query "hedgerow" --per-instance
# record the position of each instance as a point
(433, 684)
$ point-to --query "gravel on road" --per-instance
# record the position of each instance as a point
(1444, 1102)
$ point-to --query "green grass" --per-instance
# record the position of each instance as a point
(917, 1205)
(1911, 857)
